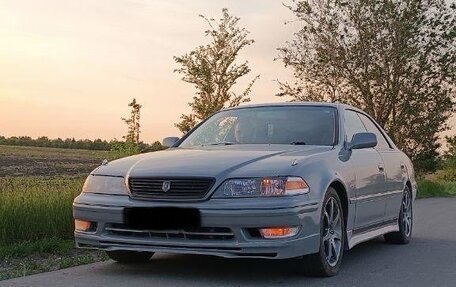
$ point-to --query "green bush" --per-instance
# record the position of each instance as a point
(446, 174)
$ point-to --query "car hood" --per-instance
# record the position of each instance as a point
(252, 160)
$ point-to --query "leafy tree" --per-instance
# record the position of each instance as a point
(395, 59)
(213, 70)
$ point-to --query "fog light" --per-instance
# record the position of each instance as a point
(82, 225)
(278, 232)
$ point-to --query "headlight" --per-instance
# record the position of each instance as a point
(267, 186)
(105, 184)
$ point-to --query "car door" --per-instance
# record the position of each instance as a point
(369, 177)
(394, 170)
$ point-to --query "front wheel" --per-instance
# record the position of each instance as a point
(327, 261)
(125, 256)
(404, 234)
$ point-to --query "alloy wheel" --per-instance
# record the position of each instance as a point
(407, 214)
(332, 231)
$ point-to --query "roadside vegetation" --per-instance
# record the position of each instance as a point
(431, 188)
(37, 188)
(42, 255)
(443, 181)
(37, 207)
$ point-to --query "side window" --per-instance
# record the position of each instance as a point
(372, 128)
(353, 124)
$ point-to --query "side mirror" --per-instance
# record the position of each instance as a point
(362, 140)
(170, 141)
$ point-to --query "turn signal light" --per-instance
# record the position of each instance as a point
(296, 185)
(82, 225)
(279, 232)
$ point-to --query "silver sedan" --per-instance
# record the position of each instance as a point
(290, 180)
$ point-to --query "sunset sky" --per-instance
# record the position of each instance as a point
(69, 68)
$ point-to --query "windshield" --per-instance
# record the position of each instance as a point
(299, 125)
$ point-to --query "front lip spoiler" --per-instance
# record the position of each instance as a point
(267, 249)
(228, 252)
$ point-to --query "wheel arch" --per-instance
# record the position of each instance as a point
(343, 196)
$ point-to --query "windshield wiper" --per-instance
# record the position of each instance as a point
(298, 143)
(220, 143)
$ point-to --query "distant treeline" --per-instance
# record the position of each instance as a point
(71, 143)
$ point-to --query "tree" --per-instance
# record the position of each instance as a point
(133, 124)
(395, 59)
(132, 144)
(213, 70)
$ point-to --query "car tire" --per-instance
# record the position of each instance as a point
(319, 264)
(131, 257)
(405, 221)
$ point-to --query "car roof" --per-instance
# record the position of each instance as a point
(279, 104)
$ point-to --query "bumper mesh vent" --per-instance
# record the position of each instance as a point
(200, 233)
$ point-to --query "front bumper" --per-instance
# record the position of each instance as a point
(220, 214)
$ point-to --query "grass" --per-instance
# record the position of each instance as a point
(428, 188)
(37, 188)
(36, 226)
(35, 208)
(43, 255)
(40, 246)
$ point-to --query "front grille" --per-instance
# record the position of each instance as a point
(185, 188)
(200, 233)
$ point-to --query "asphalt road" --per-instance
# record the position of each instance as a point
(429, 260)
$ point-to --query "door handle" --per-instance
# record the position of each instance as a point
(381, 168)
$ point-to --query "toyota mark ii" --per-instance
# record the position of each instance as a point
(290, 180)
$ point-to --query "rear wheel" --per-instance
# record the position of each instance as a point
(327, 261)
(124, 256)
(404, 234)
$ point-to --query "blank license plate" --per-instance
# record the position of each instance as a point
(162, 218)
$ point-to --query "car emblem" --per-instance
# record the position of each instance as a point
(166, 186)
